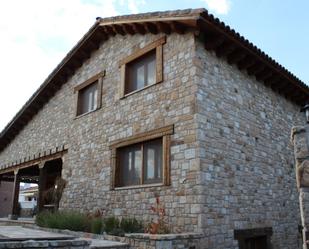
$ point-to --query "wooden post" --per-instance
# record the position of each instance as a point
(42, 179)
(15, 207)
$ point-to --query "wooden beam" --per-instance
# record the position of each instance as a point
(118, 29)
(225, 49)
(109, 30)
(236, 56)
(266, 73)
(41, 187)
(212, 42)
(151, 28)
(128, 29)
(139, 28)
(15, 195)
(178, 27)
(91, 46)
(274, 79)
(248, 61)
(164, 27)
(83, 54)
(256, 68)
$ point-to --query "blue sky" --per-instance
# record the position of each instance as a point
(36, 35)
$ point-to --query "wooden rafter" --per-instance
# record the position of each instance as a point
(164, 27)
(235, 56)
(212, 42)
(139, 28)
(248, 61)
(256, 68)
(225, 49)
(151, 28)
(177, 27)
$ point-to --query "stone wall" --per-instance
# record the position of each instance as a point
(87, 165)
(246, 159)
(166, 241)
(231, 160)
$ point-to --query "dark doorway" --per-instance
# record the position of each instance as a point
(256, 238)
(50, 174)
(259, 242)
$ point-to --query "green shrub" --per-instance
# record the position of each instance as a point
(110, 225)
(114, 226)
(96, 225)
(76, 221)
(70, 220)
(131, 225)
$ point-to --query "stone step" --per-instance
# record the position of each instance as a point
(107, 244)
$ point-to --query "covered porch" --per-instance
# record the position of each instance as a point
(44, 172)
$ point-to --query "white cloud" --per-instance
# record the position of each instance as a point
(134, 4)
(35, 36)
(221, 7)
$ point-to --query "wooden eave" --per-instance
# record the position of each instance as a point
(216, 37)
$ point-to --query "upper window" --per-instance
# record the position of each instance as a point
(141, 72)
(89, 95)
(142, 159)
(88, 99)
(142, 68)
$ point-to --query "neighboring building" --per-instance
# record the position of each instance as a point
(169, 104)
(28, 197)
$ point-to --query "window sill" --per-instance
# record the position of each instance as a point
(86, 113)
(138, 90)
(140, 186)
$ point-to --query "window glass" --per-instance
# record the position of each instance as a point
(141, 72)
(130, 165)
(139, 163)
(87, 99)
(153, 161)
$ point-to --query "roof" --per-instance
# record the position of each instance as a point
(217, 36)
(32, 189)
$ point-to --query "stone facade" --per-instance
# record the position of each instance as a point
(246, 161)
(231, 161)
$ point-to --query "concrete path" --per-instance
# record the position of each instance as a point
(19, 233)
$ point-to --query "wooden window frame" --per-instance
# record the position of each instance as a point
(164, 133)
(96, 78)
(156, 45)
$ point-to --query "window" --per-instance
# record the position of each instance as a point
(141, 72)
(142, 68)
(89, 95)
(140, 163)
(142, 159)
(88, 99)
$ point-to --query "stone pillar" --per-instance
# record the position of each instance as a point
(15, 207)
(42, 180)
(300, 140)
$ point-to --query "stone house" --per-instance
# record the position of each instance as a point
(170, 104)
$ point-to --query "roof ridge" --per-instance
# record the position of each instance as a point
(146, 15)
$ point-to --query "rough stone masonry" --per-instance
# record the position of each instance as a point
(231, 161)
